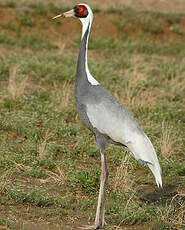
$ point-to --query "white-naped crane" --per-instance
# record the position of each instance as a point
(106, 116)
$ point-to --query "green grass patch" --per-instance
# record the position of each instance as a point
(35, 197)
(7, 223)
(4, 39)
(36, 43)
(10, 26)
(26, 19)
(9, 4)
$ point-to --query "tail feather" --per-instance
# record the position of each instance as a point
(156, 170)
(143, 150)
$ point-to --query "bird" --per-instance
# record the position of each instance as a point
(103, 114)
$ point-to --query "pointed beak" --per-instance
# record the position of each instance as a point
(67, 14)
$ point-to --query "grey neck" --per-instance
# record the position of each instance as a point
(81, 74)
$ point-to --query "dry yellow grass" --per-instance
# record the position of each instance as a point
(6, 176)
(62, 97)
(57, 177)
(66, 94)
(134, 93)
(168, 140)
(17, 83)
(122, 180)
(43, 146)
(43, 150)
(4, 179)
(174, 215)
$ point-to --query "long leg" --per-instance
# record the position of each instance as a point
(100, 212)
(99, 220)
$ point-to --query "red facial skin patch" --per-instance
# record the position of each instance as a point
(81, 11)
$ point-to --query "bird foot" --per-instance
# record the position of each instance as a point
(94, 226)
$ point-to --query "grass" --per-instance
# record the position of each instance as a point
(35, 197)
(49, 162)
(10, 4)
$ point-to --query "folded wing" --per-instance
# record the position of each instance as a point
(114, 120)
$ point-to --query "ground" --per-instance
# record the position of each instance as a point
(49, 162)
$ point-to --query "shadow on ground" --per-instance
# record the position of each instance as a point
(163, 195)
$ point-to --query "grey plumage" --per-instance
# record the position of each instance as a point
(86, 94)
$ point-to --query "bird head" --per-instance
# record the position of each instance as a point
(79, 11)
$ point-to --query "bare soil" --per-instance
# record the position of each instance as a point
(155, 5)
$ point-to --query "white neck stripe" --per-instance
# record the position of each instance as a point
(86, 23)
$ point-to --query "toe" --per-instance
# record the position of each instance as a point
(89, 227)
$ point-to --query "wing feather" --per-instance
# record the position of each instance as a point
(114, 120)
